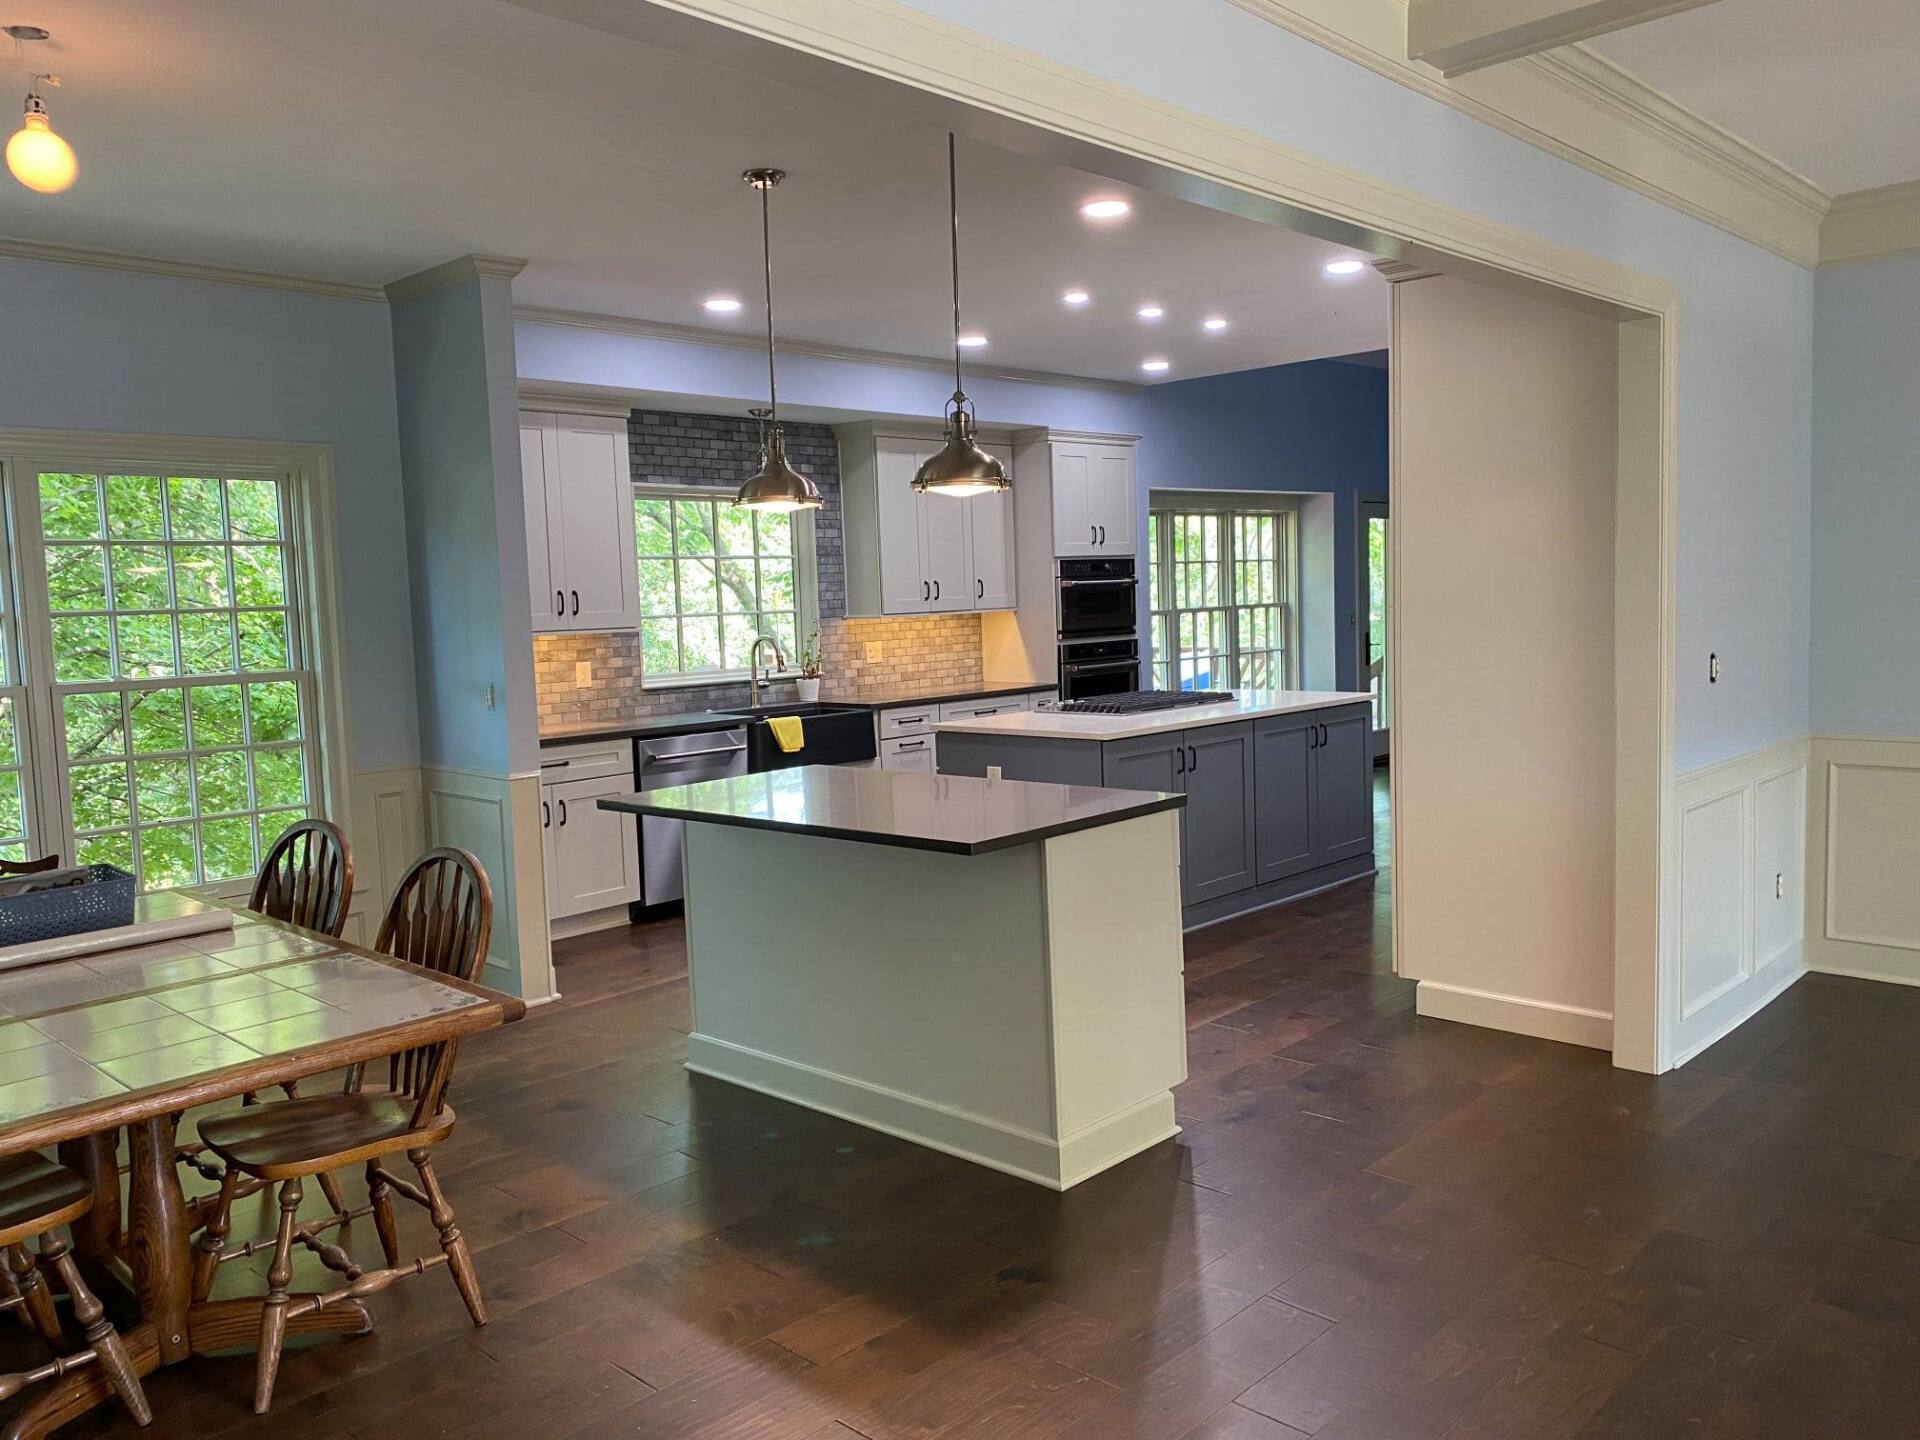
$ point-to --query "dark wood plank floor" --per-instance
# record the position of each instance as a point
(1373, 1225)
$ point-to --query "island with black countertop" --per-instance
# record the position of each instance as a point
(1279, 784)
(988, 967)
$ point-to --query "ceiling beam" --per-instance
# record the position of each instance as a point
(1457, 36)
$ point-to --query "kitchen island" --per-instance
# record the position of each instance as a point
(1279, 784)
(988, 967)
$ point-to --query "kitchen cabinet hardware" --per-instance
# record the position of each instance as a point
(546, 815)
(563, 812)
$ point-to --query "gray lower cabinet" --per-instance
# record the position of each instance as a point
(1313, 776)
(1213, 766)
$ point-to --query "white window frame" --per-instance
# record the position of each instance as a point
(313, 589)
(1163, 504)
(806, 589)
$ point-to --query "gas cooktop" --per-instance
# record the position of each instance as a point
(1139, 702)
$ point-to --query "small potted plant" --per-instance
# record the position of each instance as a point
(809, 681)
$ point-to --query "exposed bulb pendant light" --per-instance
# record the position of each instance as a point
(37, 156)
(960, 467)
(777, 486)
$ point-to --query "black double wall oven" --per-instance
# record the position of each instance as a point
(1099, 649)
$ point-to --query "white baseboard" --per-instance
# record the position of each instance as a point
(1014, 1151)
(565, 928)
(1773, 982)
(1544, 1021)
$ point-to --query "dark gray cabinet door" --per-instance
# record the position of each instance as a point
(1283, 761)
(1219, 784)
(1343, 785)
(1149, 762)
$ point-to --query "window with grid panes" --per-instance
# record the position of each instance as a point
(712, 579)
(1221, 585)
(180, 694)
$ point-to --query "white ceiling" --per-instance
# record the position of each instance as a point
(1827, 86)
(359, 141)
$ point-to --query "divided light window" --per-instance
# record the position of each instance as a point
(712, 578)
(1223, 598)
(180, 696)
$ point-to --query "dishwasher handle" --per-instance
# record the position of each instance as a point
(649, 758)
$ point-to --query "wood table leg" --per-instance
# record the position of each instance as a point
(96, 1235)
(157, 1237)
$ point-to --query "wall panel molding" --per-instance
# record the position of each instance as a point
(497, 817)
(1742, 890)
(1863, 857)
(386, 829)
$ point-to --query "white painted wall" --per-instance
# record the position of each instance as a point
(1746, 316)
(1866, 500)
(94, 349)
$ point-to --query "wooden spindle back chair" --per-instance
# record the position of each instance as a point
(307, 878)
(440, 918)
(29, 867)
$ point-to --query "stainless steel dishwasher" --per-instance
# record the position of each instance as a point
(659, 762)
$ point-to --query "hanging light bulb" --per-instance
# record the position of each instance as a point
(960, 467)
(777, 485)
(37, 156)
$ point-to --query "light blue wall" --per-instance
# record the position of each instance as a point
(93, 349)
(466, 529)
(1746, 316)
(1314, 427)
(1866, 499)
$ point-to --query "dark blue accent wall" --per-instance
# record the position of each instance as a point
(1319, 426)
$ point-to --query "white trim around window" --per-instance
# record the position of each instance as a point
(805, 581)
(312, 597)
(1226, 617)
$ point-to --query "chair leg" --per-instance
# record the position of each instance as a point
(330, 1187)
(273, 1315)
(383, 1218)
(39, 1299)
(459, 1261)
(105, 1342)
(213, 1238)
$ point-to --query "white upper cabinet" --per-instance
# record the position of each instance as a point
(1092, 499)
(910, 554)
(579, 503)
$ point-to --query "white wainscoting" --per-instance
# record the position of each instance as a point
(1742, 902)
(1863, 871)
(386, 826)
(497, 817)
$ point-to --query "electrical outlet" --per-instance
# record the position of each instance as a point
(487, 696)
(1713, 669)
(876, 651)
(583, 672)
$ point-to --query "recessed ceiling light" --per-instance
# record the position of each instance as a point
(1215, 323)
(1154, 367)
(1075, 297)
(1346, 267)
(1151, 312)
(1105, 209)
(722, 304)
(972, 340)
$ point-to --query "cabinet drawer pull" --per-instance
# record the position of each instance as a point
(1093, 534)
(546, 816)
(926, 590)
(560, 602)
(1313, 737)
(1179, 759)
(981, 594)
(936, 589)
(1193, 758)
(576, 602)
(563, 811)
(1103, 534)
(911, 745)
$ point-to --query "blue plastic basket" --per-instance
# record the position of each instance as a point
(104, 901)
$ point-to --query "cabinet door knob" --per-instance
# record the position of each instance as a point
(563, 812)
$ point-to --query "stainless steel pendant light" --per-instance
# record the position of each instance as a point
(777, 485)
(960, 467)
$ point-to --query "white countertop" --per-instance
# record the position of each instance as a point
(1246, 705)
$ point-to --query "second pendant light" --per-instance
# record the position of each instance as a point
(960, 467)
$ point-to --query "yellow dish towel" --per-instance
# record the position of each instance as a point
(788, 733)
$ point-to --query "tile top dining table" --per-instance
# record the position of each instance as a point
(133, 1037)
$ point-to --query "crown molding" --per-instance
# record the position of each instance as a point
(184, 270)
(694, 335)
(1872, 225)
(1577, 105)
(454, 272)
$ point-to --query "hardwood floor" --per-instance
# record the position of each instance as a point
(1373, 1225)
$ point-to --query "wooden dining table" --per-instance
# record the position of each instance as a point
(132, 1038)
